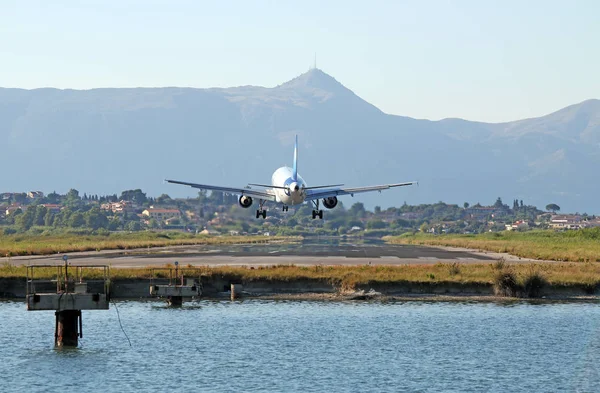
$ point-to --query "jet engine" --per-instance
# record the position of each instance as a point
(245, 201)
(330, 202)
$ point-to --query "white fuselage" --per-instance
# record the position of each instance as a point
(294, 193)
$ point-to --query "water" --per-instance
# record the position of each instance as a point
(300, 346)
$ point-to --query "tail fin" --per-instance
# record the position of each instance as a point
(295, 167)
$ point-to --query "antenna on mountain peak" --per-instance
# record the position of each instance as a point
(315, 65)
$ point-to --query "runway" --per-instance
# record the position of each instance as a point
(305, 253)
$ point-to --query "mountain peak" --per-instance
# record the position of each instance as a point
(315, 79)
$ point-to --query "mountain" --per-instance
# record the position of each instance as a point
(103, 141)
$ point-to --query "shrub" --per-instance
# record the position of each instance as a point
(453, 268)
(500, 264)
(533, 283)
(505, 283)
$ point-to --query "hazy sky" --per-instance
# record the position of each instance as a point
(480, 60)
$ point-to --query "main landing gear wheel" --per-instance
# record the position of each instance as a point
(261, 212)
(285, 208)
(317, 213)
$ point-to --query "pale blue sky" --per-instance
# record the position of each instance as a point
(480, 60)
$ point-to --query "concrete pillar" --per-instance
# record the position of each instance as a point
(67, 328)
(175, 301)
(236, 291)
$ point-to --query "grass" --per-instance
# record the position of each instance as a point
(520, 276)
(45, 244)
(575, 246)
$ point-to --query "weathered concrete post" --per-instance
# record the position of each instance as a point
(236, 291)
(175, 301)
(67, 328)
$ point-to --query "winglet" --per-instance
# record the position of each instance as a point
(295, 167)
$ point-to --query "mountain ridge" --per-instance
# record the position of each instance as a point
(106, 140)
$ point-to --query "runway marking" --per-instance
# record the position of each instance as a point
(388, 257)
(429, 258)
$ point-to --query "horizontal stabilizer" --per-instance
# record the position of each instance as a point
(329, 186)
(266, 186)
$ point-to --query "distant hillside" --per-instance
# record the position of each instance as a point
(107, 140)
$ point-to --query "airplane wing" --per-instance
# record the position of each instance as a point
(318, 194)
(240, 191)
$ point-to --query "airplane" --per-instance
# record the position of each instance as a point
(289, 188)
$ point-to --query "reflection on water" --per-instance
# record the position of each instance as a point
(257, 345)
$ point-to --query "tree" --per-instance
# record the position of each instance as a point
(49, 219)
(76, 220)
(377, 210)
(40, 215)
(163, 198)
(357, 210)
(95, 218)
(73, 195)
(153, 223)
(53, 197)
(498, 203)
(466, 205)
(25, 221)
(553, 207)
(376, 224)
(133, 226)
(134, 196)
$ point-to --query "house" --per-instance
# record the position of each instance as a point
(161, 214)
(35, 194)
(209, 232)
(517, 225)
(117, 207)
(13, 208)
(52, 208)
(567, 221)
(173, 221)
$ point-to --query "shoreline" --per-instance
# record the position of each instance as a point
(213, 288)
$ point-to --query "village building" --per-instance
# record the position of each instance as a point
(161, 214)
(517, 225)
(51, 207)
(35, 194)
(117, 207)
(13, 208)
(567, 221)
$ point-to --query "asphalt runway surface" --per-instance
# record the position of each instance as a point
(266, 255)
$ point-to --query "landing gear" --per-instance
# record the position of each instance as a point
(285, 208)
(261, 212)
(316, 212)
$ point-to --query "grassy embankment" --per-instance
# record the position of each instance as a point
(27, 244)
(574, 246)
(562, 274)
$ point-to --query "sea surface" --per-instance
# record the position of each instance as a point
(308, 346)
